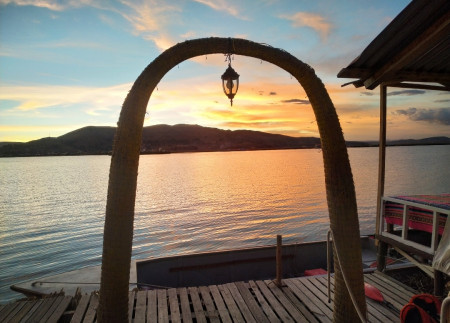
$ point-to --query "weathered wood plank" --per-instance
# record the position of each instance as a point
(299, 305)
(320, 301)
(249, 299)
(231, 304)
(59, 311)
(307, 298)
(23, 311)
(131, 300)
(405, 288)
(211, 311)
(163, 308)
(240, 302)
(31, 312)
(197, 304)
(388, 295)
(8, 309)
(174, 305)
(57, 300)
(377, 311)
(374, 315)
(263, 303)
(91, 312)
(293, 312)
(223, 312)
(274, 303)
(13, 312)
(141, 307)
(40, 312)
(152, 311)
(81, 309)
(402, 294)
(185, 306)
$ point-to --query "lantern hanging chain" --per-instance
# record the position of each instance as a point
(231, 51)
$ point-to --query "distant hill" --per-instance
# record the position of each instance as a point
(179, 138)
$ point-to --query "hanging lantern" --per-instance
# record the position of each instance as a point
(230, 82)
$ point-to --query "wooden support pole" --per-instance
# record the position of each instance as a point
(382, 247)
(279, 258)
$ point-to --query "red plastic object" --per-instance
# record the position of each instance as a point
(315, 272)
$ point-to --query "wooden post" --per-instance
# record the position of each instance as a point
(279, 261)
(382, 246)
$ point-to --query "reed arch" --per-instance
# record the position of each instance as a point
(118, 231)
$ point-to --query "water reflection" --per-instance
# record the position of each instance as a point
(52, 208)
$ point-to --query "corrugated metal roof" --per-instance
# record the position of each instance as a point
(414, 47)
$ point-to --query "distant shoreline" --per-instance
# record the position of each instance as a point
(165, 139)
(208, 151)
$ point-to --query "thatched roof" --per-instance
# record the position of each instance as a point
(414, 47)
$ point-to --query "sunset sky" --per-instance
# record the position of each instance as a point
(67, 64)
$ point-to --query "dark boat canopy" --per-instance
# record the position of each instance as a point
(414, 47)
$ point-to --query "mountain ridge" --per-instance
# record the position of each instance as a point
(96, 140)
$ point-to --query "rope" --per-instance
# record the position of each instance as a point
(350, 292)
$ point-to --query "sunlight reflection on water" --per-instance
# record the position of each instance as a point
(52, 208)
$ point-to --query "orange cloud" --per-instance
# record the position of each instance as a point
(222, 5)
(312, 20)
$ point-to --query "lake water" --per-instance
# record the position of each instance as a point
(52, 208)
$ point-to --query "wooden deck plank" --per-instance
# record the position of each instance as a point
(252, 304)
(163, 308)
(8, 309)
(185, 306)
(51, 309)
(307, 298)
(319, 298)
(402, 294)
(152, 311)
(31, 312)
(274, 303)
(43, 308)
(81, 309)
(263, 303)
(197, 304)
(407, 289)
(211, 311)
(13, 311)
(240, 302)
(374, 315)
(23, 311)
(388, 294)
(141, 307)
(174, 305)
(223, 312)
(284, 300)
(59, 311)
(131, 300)
(377, 312)
(91, 312)
(231, 304)
(299, 305)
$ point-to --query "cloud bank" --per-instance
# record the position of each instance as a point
(438, 116)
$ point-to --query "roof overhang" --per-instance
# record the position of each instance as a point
(412, 51)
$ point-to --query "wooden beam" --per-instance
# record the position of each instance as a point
(434, 34)
(420, 86)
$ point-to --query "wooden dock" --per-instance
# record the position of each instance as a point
(302, 299)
